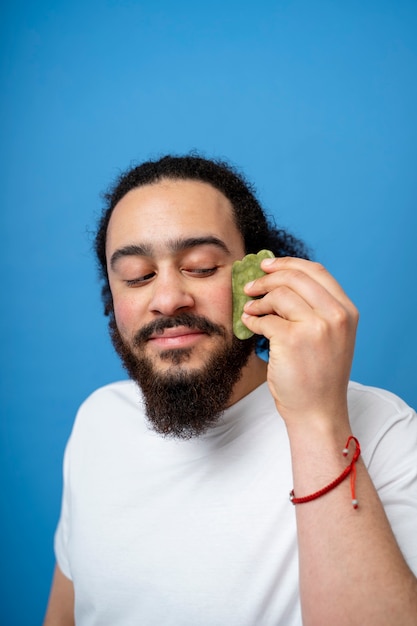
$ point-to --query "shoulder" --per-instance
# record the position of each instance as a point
(114, 407)
(385, 426)
(117, 393)
(376, 405)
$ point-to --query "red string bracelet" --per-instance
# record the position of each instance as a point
(350, 469)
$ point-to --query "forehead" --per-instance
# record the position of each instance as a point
(171, 209)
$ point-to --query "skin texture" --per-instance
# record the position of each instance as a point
(180, 263)
(60, 610)
(351, 570)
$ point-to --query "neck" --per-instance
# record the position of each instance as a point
(253, 375)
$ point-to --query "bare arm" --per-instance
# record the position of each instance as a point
(351, 569)
(60, 611)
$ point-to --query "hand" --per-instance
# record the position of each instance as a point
(311, 325)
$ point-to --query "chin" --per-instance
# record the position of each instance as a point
(183, 359)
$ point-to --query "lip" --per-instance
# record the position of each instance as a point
(177, 337)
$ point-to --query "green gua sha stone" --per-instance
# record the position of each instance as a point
(243, 272)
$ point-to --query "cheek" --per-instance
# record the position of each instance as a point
(220, 303)
(126, 314)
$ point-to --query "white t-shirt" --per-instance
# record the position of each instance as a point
(163, 532)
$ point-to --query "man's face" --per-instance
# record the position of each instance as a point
(170, 249)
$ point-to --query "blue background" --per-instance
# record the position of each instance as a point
(315, 101)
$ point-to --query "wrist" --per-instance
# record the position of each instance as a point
(319, 427)
(349, 470)
(316, 451)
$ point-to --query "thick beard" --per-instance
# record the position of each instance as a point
(179, 402)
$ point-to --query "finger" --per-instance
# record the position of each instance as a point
(268, 325)
(282, 301)
(317, 271)
(310, 280)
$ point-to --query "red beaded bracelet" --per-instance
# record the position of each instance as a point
(350, 469)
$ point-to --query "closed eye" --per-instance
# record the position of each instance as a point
(140, 281)
(197, 273)
(201, 272)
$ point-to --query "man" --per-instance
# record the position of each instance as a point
(175, 507)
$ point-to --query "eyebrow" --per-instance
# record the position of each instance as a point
(176, 245)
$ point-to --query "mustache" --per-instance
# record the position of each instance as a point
(195, 322)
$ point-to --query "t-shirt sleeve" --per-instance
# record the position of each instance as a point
(391, 457)
(62, 532)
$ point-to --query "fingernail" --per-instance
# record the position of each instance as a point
(268, 261)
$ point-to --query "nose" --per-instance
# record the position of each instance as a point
(171, 292)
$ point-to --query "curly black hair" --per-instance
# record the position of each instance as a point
(257, 231)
